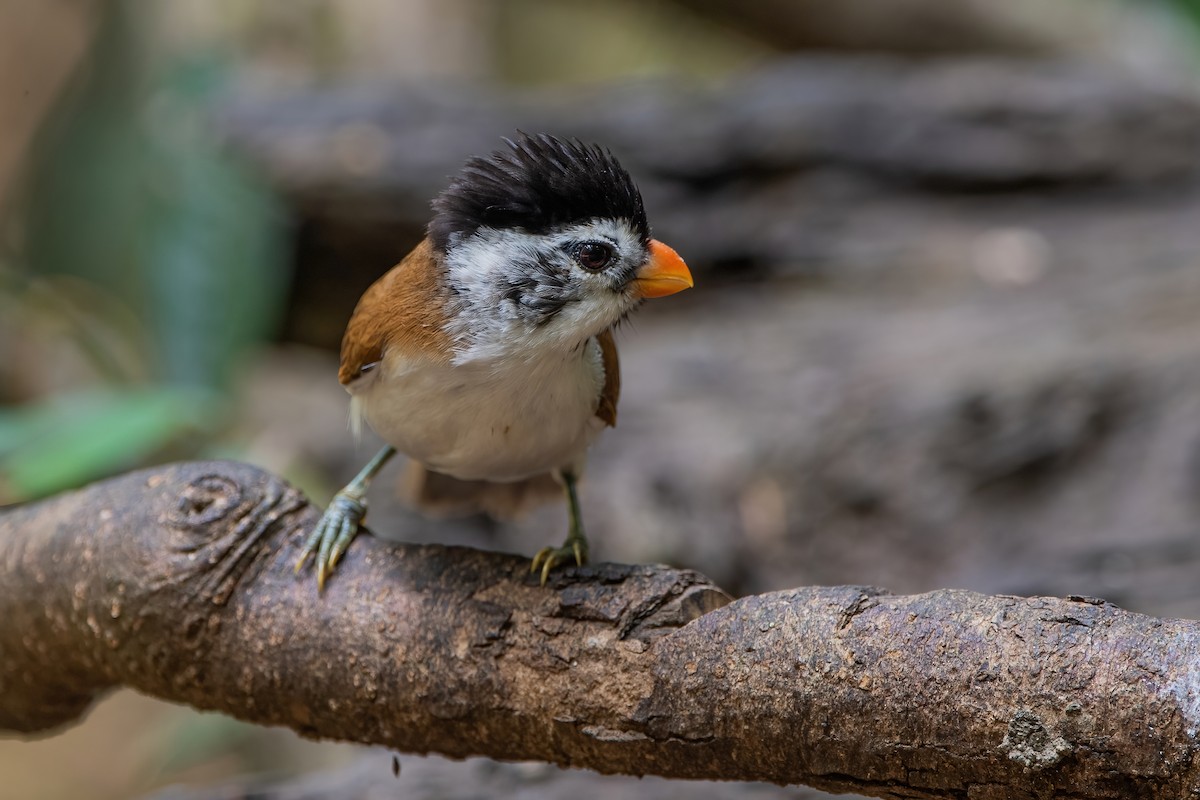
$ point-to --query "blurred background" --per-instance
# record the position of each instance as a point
(946, 328)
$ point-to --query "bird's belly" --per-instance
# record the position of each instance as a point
(476, 423)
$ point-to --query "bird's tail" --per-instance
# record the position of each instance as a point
(441, 495)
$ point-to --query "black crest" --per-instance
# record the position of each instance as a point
(538, 183)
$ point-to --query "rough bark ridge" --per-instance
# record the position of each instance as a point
(177, 582)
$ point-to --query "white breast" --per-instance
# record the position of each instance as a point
(487, 420)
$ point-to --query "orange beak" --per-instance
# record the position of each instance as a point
(663, 274)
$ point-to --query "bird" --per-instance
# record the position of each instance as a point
(487, 354)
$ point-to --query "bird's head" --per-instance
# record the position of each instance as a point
(544, 245)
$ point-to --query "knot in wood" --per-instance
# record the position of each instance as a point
(1029, 743)
(206, 500)
(225, 524)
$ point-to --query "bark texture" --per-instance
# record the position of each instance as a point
(177, 582)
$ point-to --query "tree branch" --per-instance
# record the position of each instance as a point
(177, 582)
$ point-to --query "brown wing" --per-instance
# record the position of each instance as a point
(404, 310)
(607, 410)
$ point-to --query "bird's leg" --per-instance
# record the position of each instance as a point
(576, 545)
(339, 524)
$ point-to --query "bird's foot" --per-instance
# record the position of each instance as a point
(576, 547)
(334, 533)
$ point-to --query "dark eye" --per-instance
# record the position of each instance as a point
(593, 256)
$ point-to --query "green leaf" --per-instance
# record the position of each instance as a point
(83, 437)
(132, 191)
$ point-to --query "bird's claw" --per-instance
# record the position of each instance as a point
(334, 533)
(549, 557)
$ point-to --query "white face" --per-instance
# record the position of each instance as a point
(522, 295)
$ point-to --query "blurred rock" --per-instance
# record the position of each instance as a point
(826, 167)
(972, 123)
